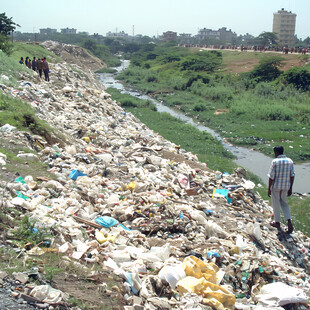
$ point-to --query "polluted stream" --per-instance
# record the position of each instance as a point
(254, 161)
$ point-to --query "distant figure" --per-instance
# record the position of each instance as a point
(45, 69)
(34, 64)
(21, 61)
(29, 63)
(39, 66)
(26, 61)
(281, 178)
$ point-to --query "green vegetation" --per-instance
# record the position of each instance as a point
(101, 51)
(106, 70)
(27, 233)
(10, 66)
(33, 50)
(22, 116)
(300, 213)
(260, 108)
(6, 27)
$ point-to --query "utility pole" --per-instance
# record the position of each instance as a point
(133, 32)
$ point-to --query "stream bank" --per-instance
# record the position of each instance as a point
(254, 161)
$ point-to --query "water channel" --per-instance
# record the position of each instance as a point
(252, 160)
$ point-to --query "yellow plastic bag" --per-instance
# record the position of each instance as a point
(201, 279)
(195, 267)
(101, 237)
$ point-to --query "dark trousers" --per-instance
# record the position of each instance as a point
(47, 78)
(40, 72)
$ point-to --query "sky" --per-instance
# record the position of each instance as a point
(153, 17)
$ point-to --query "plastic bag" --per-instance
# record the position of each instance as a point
(74, 174)
(280, 294)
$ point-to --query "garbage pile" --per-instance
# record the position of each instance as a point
(73, 54)
(179, 235)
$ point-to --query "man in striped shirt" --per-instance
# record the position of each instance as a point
(281, 178)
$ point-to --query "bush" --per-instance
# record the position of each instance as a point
(267, 70)
(257, 109)
(297, 76)
(205, 61)
(128, 103)
(199, 107)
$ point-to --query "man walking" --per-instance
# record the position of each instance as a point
(281, 178)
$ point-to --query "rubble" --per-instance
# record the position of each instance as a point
(180, 237)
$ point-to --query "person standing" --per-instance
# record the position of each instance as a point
(45, 69)
(34, 64)
(39, 66)
(21, 61)
(281, 178)
(29, 63)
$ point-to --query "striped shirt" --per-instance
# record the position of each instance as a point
(281, 171)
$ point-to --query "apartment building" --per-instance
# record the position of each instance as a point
(223, 35)
(47, 30)
(169, 36)
(284, 26)
(68, 30)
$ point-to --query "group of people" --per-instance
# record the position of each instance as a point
(37, 64)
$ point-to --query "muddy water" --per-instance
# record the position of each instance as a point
(254, 161)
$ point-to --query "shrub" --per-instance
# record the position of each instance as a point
(264, 90)
(205, 61)
(128, 103)
(199, 107)
(297, 76)
(267, 69)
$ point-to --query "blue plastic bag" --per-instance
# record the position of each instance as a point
(74, 174)
(107, 221)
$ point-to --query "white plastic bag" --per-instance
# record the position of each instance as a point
(280, 294)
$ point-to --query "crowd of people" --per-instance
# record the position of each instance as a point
(37, 64)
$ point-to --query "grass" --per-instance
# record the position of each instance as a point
(300, 208)
(33, 50)
(106, 70)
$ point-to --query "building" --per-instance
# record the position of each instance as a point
(284, 26)
(223, 35)
(120, 34)
(185, 38)
(68, 30)
(169, 36)
(47, 31)
(206, 34)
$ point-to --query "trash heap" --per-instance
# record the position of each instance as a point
(179, 235)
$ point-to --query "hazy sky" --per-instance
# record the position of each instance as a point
(153, 17)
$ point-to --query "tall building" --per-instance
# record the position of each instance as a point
(284, 26)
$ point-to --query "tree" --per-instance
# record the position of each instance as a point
(307, 41)
(268, 69)
(6, 27)
(267, 38)
(203, 61)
